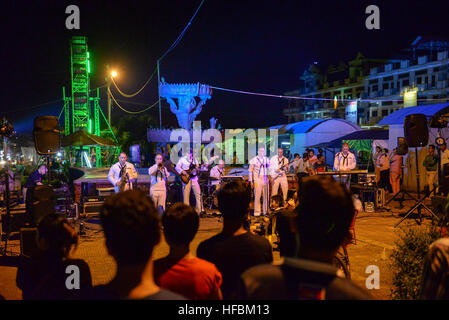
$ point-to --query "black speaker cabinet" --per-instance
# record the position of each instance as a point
(47, 135)
(28, 242)
(41, 201)
(88, 189)
(415, 130)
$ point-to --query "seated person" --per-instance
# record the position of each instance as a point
(216, 173)
(324, 216)
(181, 271)
(131, 227)
(234, 249)
(44, 277)
(35, 179)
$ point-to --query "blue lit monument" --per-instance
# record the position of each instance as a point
(186, 108)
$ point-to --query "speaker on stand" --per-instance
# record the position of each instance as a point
(416, 134)
(47, 137)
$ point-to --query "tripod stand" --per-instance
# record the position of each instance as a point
(419, 202)
(402, 192)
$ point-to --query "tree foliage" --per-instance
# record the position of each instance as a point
(407, 261)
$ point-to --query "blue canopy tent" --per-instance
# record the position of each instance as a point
(430, 110)
(360, 142)
(361, 135)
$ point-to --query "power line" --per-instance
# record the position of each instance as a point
(181, 35)
(127, 95)
(131, 112)
(172, 47)
(310, 98)
(33, 107)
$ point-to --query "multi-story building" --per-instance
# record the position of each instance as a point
(345, 81)
(423, 75)
(421, 70)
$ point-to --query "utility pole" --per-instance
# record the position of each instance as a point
(109, 101)
(108, 82)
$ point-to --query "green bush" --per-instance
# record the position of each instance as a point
(407, 261)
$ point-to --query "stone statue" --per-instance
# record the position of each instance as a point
(187, 108)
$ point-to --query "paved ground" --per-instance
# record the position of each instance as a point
(375, 235)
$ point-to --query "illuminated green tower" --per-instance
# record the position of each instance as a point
(80, 110)
(80, 68)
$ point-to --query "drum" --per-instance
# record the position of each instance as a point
(210, 197)
(174, 193)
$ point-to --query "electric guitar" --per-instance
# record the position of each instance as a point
(282, 171)
(189, 174)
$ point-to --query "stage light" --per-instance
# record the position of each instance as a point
(114, 74)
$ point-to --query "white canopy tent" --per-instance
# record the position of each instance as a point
(314, 132)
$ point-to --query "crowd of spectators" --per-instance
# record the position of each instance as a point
(233, 264)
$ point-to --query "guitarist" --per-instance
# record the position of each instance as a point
(188, 167)
(279, 167)
(122, 174)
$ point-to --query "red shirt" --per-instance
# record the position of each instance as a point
(195, 279)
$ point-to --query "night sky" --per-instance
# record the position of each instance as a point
(260, 46)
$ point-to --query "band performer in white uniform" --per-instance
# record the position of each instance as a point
(279, 167)
(216, 173)
(185, 165)
(344, 161)
(122, 174)
(158, 177)
(259, 170)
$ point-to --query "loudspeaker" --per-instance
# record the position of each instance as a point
(47, 135)
(415, 130)
(88, 189)
(40, 202)
(402, 146)
(28, 242)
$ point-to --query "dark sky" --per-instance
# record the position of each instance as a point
(258, 46)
